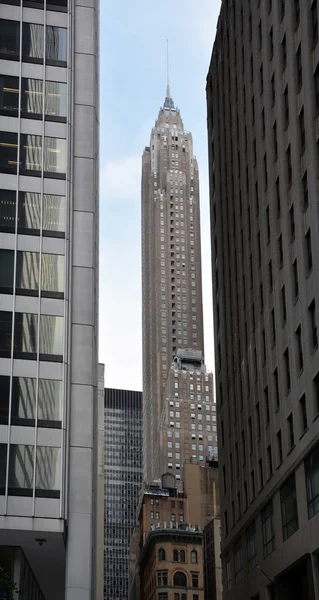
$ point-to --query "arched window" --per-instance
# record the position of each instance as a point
(175, 555)
(180, 579)
(193, 557)
(182, 556)
(161, 554)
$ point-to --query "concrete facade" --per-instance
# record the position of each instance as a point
(49, 122)
(262, 102)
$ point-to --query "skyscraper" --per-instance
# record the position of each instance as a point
(48, 295)
(122, 485)
(263, 134)
(171, 265)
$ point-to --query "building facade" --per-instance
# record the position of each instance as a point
(263, 136)
(49, 150)
(171, 265)
(122, 485)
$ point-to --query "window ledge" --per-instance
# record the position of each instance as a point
(303, 433)
(316, 416)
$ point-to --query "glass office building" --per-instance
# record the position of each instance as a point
(122, 481)
(48, 292)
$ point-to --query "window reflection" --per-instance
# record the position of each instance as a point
(32, 96)
(8, 152)
(9, 95)
(55, 99)
(7, 209)
(29, 210)
(52, 273)
(4, 400)
(5, 332)
(10, 39)
(54, 212)
(51, 335)
(49, 403)
(54, 155)
(27, 273)
(48, 471)
(23, 398)
(30, 152)
(21, 463)
(56, 44)
(25, 333)
(32, 42)
(6, 270)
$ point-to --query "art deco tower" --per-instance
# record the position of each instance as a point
(171, 265)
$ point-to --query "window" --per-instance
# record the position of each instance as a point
(4, 403)
(316, 393)
(3, 467)
(308, 251)
(299, 349)
(9, 95)
(267, 412)
(5, 333)
(258, 420)
(195, 580)
(21, 479)
(55, 100)
(9, 39)
(296, 9)
(182, 552)
(269, 543)
(51, 338)
(8, 152)
(162, 578)
(30, 153)
(312, 481)
(194, 558)
(279, 447)
(290, 431)
(303, 414)
(54, 155)
(228, 572)
(302, 131)
(314, 23)
(289, 511)
(287, 370)
(161, 554)
(251, 546)
(313, 325)
(175, 555)
(162, 596)
(261, 473)
(284, 52)
(238, 562)
(179, 579)
(56, 45)
(48, 471)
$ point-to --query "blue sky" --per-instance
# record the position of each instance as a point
(133, 83)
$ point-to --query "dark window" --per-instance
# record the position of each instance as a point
(267, 412)
(260, 37)
(316, 77)
(292, 222)
(271, 43)
(274, 129)
(253, 486)
(313, 324)
(269, 543)
(56, 45)
(194, 580)
(284, 52)
(251, 546)
(279, 447)
(238, 562)
(269, 460)
(276, 385)
(180, 579)
(261, 78)
(273, 90)
(299, 67)
(224, 480)
(6, 271)
(261, 473)
(282, 9)
(8, 152)
(3, 467)
(302, 130)
(283, 304)
(305, 191)
(270, 276)
(308, 251)
(243, 444)
(312, 481)
(316, 393)
(265, 172)
(280, 252)
(289, 511)
(303, 413)
(162, 578)
(7, 210)
(161, 554)
(250, 431)
(9, 39)
(267, 225)
(296, 4)
(5, 333)
(314, 23)
(32, 96)
(175, 555)
(263, 123)
(289, 167)
(4, 402)
(286, 106)
(299, 353)
(258, 420)
(9, 95)
(287, 369)
(32, 42)
(295, 279)
(290, 431)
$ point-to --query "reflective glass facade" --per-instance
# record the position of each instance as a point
(123, 480)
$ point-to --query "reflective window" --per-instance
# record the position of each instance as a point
(23, 399)
(32, 96)
(9, 95)
(54, 213)
(48, 470)
(32, 42)
(57, 3)
(8, 152)
(54, 155)
(7, 209)
(51, 335)
(30, 152)
(312, 481)
(5, 332)
(49, 400)
(289, 510)
(6, 270)
(21, 463)
(52, 273)
(29, 210)
(268, 531)
(56, 44)
(25, 333)
(9, 39)
(27, 273)
(4, 399)
(55, 99)
(3, 466)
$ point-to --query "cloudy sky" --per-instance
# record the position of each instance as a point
(133, 83)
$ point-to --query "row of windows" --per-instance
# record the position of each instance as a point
(178, 555)
(176, 596)
(36, 98)
(36, 154)
(31, 336)
(60, 5)
(180, 579)
(33, 272)
(30, 401)
(34, 215)
(23, 461)
(289, 519)
(54, 52)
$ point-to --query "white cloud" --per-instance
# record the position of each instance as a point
(121, 179)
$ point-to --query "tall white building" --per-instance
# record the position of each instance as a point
(48, 295)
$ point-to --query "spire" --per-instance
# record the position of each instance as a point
(168, 100)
